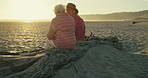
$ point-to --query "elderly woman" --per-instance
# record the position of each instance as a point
(62, 32)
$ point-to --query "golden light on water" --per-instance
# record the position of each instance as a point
(27, 21)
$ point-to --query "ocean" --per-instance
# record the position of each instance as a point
(17, 37)
(22, 36)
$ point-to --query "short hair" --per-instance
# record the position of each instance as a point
(59, 8)
(72, 6)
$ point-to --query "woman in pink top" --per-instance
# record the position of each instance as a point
(62, 32)
(79, 23)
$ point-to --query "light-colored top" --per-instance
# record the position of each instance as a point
(62, 31)
(79, 27)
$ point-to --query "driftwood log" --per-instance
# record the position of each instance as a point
(46, 63)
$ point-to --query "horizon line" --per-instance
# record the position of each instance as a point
(49, 19)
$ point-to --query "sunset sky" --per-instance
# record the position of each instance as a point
(43, 9)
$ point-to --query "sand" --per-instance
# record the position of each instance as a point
(133, 37)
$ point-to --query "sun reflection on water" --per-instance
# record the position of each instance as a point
(22, 36)
(27, 21)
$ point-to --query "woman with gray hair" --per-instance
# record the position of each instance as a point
(62, 32)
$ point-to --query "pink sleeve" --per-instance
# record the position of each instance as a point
(51, 32)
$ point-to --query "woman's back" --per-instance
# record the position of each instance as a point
(65, 31)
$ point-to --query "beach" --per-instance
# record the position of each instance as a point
(91, 59)
(132, 36)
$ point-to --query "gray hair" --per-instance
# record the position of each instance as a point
(59, 8)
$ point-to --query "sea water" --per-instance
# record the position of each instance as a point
(22, 36)
(17, 37)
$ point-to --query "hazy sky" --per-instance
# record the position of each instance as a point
(42, 9)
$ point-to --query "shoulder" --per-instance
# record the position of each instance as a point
(54, 20)
(71, 17)
(78, 18)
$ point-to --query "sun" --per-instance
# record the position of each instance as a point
(29, 10)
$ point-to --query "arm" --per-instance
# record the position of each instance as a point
(51, 32)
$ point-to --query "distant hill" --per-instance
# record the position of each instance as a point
(117, 16)
(143, 17)
(140, 15)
